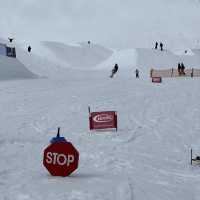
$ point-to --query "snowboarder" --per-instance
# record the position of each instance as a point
(137, 73)
(161, 46)
(29, 49)
(114, 70)
(156, 45)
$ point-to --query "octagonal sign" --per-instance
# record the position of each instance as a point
(61, 158)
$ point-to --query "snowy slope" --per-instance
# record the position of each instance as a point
(11, 68)
(148, 158)
(81, 56)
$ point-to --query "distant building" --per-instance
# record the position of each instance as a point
(7, 51)
(3, 51)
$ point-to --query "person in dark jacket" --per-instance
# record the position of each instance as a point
(179, 69)
(114, 70)
(182, 69)
(156, 45)
(10, 39)
(137, 73)
(29, 49)
(161, 46)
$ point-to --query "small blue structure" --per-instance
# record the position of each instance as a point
(58, 138)
(7, 51)
(3, 50)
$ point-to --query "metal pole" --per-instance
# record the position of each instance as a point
(58, 134)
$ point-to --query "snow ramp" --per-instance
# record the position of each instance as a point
(81, 55)
(126, 59)
(12, 69)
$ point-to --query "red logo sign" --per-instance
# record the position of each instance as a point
(103, 120)
(61, 158)
(156, 79)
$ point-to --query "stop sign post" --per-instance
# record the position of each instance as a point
(60, 157)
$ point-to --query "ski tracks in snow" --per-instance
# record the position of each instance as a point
(125, 190)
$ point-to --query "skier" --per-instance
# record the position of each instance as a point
(156, 45)
(29, 49)
(137, 73)
(114, 70)
(161, 46)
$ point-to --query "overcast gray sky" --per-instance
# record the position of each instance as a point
(118, 23)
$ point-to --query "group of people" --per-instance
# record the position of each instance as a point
(161, 46)
(181, 69)
(115, 69)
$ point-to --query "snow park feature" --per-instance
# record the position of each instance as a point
(60, 157)
(13, 69)
(10, 67)
(156, 79)
(102, 120)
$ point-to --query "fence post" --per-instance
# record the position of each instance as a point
(172, 72)
(192, 74)
(191, 156)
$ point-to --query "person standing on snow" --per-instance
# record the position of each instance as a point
(161, 46)
(29, 49)
(156, 45)
(182, 69)
(10, 39)
(179, 69)
(137, 73)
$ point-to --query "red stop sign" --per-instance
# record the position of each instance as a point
(61, 158)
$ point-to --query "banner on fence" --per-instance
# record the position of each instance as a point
(156, 79)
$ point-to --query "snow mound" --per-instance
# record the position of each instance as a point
(12, 69)
(126, 59)
(82, 55)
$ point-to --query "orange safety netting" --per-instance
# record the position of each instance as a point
(165, 73)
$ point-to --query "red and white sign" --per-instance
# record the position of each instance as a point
(156, 79)
(103, 120)
(61, 158)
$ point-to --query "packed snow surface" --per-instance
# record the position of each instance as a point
(147, 158)
(12, 68)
